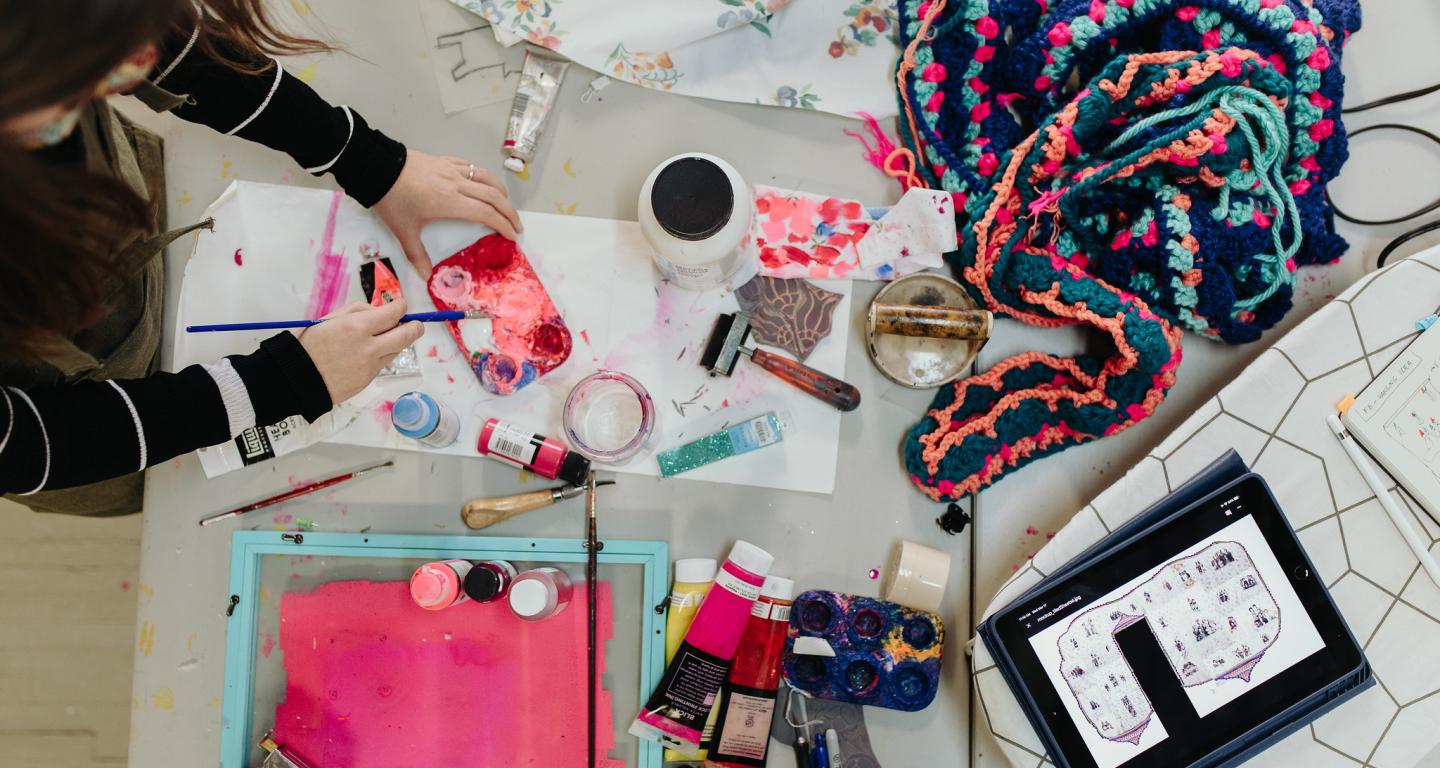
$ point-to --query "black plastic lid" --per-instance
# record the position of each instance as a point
(575, 469)
(692, 198)
(483, 584)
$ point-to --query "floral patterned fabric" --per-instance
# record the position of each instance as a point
(828, 55)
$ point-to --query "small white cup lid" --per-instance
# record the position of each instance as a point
(530, 597)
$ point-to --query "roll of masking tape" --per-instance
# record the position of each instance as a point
(915, 576)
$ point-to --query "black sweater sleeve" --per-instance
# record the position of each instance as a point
(276, 109)
(75, 434)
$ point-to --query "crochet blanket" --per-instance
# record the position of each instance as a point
(1140, 167)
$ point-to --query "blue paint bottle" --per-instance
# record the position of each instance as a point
(425, 420)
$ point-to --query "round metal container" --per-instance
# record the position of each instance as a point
(916, 362)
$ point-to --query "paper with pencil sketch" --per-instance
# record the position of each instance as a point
(1397, 419)
(471, 69)
(600, 275)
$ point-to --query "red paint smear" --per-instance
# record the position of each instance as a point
(125, 586)
(586, 336)
(239, 258)
(331, 275)
(1032, 530)
(372, 680)
(434, 351)
(450, 378)
(382, 411)
(268, 645)
(494, 276)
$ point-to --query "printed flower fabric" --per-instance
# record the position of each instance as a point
(827, 55)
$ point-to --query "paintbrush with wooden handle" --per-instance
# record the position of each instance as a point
(483, 513)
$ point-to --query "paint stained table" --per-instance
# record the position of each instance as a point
(592, 160)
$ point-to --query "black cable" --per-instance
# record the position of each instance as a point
(1403, 239)
(1388, 100)
(1398, 219)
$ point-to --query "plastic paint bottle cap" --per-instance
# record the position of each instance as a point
(751, 557)
(413, 416)
(692, 198)
(483, 584)
(778, 587)
(695, 570)
(429, 588)
(574, 469)
(515, 164)
(530, 597)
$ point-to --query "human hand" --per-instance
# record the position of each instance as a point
(430, 188)
(355, 343)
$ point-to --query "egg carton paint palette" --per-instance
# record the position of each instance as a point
(884, 654)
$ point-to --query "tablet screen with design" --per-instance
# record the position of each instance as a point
(1205, 626)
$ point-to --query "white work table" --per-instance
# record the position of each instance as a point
(827, 542)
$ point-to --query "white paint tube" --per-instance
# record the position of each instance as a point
(534, 97)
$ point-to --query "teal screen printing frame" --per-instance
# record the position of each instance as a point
(637, 570)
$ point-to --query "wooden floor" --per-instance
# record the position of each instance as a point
(67, 634)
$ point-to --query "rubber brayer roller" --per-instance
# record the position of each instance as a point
(728, 342)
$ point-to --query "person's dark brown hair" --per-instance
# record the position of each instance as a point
(60, 225)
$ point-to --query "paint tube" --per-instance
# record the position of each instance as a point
(693, 578)
(676, 711)
(534, 97)
(741, 731)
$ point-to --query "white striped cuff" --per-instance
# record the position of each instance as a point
(135, 418)
(275, 86)
(194, 35)
(44, 436)
(239, 412)
(350, 118)
(9, 425)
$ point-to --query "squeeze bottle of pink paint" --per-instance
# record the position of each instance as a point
(676, 712)
(436, 586)
(537, 453)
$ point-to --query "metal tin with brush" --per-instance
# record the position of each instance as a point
(924, 330)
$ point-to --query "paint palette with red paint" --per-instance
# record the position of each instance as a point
(529, 338)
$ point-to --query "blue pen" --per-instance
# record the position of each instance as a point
(819, 753)
(423, 317)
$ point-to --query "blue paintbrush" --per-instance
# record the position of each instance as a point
(424, 317)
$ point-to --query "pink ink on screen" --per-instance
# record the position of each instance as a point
(529, 335)
(373, 680)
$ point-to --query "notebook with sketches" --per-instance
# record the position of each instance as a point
(1397, 419)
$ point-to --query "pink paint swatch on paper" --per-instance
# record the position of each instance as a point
(332, 276)
(374, 680)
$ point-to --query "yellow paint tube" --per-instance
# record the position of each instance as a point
(693, 577)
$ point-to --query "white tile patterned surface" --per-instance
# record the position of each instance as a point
(1272, 415)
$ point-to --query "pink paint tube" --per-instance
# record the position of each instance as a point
(676, 712)
(537, 453)
(436, 586)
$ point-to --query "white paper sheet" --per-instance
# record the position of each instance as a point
(599, 274)
(471, 68)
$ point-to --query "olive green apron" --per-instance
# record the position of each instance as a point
(126, 344)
